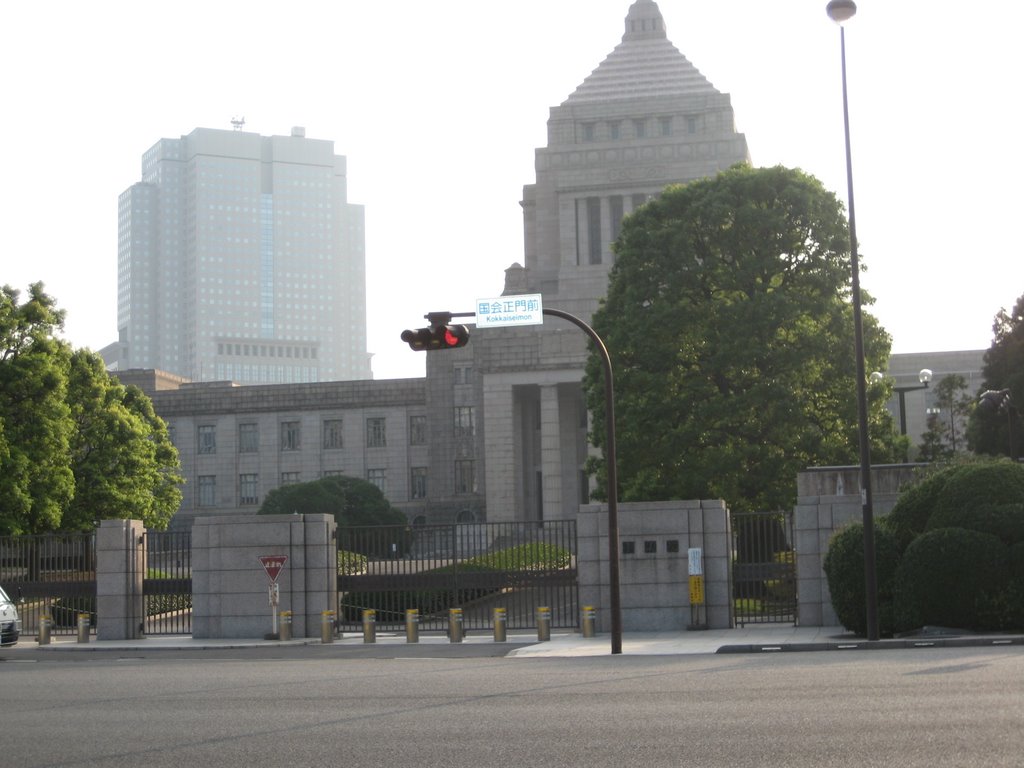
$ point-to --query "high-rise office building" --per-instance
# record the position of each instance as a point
(240, 258)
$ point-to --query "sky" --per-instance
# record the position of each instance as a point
(439, 108)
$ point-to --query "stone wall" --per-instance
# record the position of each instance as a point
(828, 499)
(230, 587)
(654, 579)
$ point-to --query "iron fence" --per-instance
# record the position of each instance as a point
(764, 568)
(50, 575)
(476, 567)
(167, 583)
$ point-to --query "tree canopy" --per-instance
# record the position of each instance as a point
(730, 327)
(351, 500)
(36, 481)
(946, 434)
(988, 432)
(75, 445)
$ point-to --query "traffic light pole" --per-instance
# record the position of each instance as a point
(612, 469)
(423, 339)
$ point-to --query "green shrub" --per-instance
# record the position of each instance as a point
(952, 577)
(973, 485)
(915, 505)
(844, 569)
(1004, 521)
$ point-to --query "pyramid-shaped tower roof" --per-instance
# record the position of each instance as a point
(643, 65)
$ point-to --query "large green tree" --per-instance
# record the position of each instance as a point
(36, 481)
(123, 460)
(75, 445)
(988, 431)
(729, 323)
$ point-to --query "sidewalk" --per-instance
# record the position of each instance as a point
(765, 638)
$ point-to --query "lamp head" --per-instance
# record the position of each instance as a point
(925, 376)
(841, 11)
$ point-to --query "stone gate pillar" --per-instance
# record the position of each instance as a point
(120, 569)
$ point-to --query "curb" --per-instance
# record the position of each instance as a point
(873, 645)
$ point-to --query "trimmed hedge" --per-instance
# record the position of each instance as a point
(844, 569)
(989, 482)
(952, 577)
(959, 535)
(1004, 521)
(914, 507)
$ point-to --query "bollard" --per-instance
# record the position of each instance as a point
(369, 626)
(44, 629)
(285, 630)
(543, 624)
(455, 625)
(588, 620)
(412, 625)
(83, 627)
(327, 626)
(500, 623)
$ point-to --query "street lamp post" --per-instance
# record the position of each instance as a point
(841, 11)
(925, 377)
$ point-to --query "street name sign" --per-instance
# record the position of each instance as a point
(525, 309)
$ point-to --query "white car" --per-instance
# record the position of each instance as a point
(10, 623)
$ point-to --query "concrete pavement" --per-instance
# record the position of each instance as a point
(758, 638)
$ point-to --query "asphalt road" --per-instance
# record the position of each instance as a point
(328, 705)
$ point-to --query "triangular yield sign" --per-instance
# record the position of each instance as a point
(273, 564)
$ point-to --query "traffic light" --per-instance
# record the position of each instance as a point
(436, 337)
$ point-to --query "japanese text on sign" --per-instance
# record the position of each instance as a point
(509, 310)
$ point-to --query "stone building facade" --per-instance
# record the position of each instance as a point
(497, 430)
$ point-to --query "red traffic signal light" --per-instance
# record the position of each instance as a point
(436, 337)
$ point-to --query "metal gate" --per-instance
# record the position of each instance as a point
(476, 567)
(764, 568)
(50, 575)
(167, 583)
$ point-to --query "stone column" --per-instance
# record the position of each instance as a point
(551, 452)
(120, 569)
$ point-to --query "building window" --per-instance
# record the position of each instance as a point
(332, 434)
(417, 430)
(331, 473)
(207, 438)
(691, 125)
(249, 488)
(588, 131)
(207, 490)
(290, 436)
(465, 476)
(615, 130)
(378, 477)
(290, 478)
(248, 438)
(640, 128)
(418, 483)
(665, 125)
(376, 435)
(464, 421)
